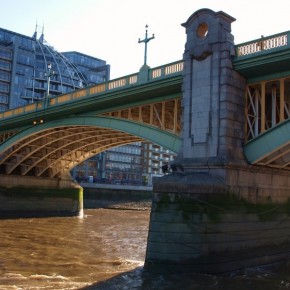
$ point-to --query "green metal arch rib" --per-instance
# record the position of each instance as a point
(149, 133)
(266, 145)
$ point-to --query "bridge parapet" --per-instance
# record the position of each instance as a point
(165, 71)
(263, 45)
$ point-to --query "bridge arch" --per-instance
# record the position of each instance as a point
(271, 148)
(52, 149)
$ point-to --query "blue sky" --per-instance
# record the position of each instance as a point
(110, 29)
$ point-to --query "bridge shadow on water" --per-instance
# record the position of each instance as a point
(140, 279)
(258, 278)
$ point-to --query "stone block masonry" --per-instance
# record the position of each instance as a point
(221, 214)
(38, 197)
(191, 235)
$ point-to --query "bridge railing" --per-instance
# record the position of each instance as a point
(164, 71)
(167, 70)
(263, 45)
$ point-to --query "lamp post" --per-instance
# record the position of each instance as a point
(146, 40)
(48, 74)
(46, 98)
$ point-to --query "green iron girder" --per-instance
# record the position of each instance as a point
(261, 67)
(148, 133)
(268, 63)
(270, 146)
(147, 93)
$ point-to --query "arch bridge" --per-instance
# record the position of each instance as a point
(49, 138)
(266, 64)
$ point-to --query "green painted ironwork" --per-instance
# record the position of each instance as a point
(260, 59)
(264, 58)
(268, 142)
(150, 133)
(164, 83)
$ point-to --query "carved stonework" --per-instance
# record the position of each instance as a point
(213, 118)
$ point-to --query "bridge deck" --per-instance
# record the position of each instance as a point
(156, 101)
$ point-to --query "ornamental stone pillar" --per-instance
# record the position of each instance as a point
(213, 93)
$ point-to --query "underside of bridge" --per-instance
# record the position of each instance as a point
(272, 148)
(267, 123)
(52, 149)
(48, 139)
(42, 142)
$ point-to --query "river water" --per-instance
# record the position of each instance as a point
(104, 250)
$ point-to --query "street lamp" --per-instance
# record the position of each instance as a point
(49, 74)
(146, 40)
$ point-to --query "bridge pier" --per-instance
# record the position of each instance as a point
(201, 222)
(25, 196)
(220, 214)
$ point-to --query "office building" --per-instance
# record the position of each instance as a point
(26, 62)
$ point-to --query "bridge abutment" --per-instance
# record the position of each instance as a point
(24, 196)
(219, 214)
(201, 226)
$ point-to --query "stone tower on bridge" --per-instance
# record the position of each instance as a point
(213, 100)
(214, 216)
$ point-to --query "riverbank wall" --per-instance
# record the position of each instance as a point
(29, 196)
(116, 196)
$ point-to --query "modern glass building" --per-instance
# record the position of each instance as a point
(27, 62)
(31, 69)
(94, 70)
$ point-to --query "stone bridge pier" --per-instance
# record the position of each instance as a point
(220, 214)
(30, 196)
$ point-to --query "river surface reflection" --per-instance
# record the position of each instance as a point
(104, 250)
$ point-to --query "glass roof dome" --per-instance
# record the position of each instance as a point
(47, 62)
